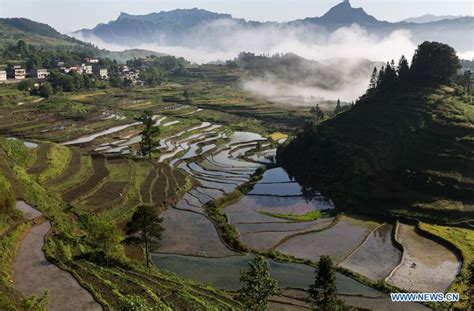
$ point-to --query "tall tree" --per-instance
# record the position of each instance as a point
(102, 235)
(338, 107)
(403, 68)
(144, 226)
(434, 62)
(259, 285)
(323, 293)
(318, 113)
(380, 76)
(149, 143)
(373, 79)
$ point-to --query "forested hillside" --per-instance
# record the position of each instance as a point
(14, 29)
(405, 148)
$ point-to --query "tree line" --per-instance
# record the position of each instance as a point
(432, 63)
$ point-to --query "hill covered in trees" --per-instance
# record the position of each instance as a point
(405, 148)
(14, 29)
(48, 44)
(295, 70)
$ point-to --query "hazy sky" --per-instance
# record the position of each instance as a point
(70, 15)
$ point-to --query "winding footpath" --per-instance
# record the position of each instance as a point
(33, 274)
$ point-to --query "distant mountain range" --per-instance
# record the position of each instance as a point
(428, 18)
(186, 27)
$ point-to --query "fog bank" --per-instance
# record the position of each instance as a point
(224, 39)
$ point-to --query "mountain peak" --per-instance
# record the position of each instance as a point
(344, 13)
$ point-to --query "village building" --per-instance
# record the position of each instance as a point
(87, 69)
(132, 75)
(39, 73)
(75, 68)
(91, 60)
(102, 73)
(16, 72)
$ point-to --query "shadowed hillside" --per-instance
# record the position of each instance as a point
(406, 147)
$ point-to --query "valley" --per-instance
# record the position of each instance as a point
(137, 180)
(207, 155)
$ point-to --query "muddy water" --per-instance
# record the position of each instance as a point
(427, 265)
(33, 274)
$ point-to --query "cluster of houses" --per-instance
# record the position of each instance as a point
(133, 75)
(90, 66)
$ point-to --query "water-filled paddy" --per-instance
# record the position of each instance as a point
(279, 205)
(275, 175)
(239, 137)
(377, 257)
(337, 241)
(277, 189)
(427, 265)
(89, 138)
(266, 240)
(190, 234)
(224, 273)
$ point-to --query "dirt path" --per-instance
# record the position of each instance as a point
(33, 273)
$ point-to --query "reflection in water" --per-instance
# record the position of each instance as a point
(224, 273)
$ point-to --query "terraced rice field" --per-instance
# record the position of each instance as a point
(337, 242)
(191, 233)
(252, 215)
(427, 266)
(224, 273)
(188, 231)
(107, 183)
(100, 173)
(377, 257)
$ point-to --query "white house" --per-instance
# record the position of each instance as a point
(39, 73)
(87, 69)
(16, 72)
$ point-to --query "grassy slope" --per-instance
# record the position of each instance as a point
(67, 248)
(411, 153)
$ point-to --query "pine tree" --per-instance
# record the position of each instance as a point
(149, 143)
(338, 107)
(403, 68)
(373, 79)
(323, 293)
(259, 285)
(144, 226)
(380, 76)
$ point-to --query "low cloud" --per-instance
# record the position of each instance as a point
(225, 39)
